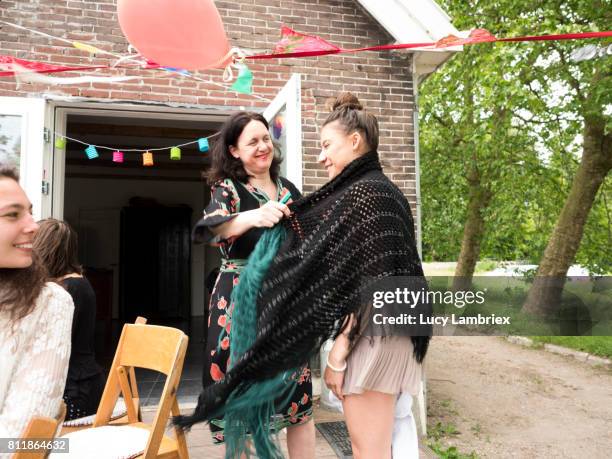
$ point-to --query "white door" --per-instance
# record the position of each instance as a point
(284, 114)
(22, 143)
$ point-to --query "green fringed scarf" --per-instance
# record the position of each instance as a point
(245, 414)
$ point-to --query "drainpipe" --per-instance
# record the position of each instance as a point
(417, 165)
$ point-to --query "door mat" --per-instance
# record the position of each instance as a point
(338, 437)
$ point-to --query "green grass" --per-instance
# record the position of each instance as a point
(450, 453)
(505, 296)
(438, 432)
(486, 265)
(596, 345)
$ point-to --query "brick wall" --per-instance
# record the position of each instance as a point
(382, 81)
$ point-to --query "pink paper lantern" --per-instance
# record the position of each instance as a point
(117, 156)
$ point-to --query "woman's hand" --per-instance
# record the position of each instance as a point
(267, 215)
(334, 379)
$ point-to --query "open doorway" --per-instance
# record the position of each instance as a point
(134, 222)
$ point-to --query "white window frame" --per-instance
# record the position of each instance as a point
(290, 97)
(34, 158)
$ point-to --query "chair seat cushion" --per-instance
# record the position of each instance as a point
(107, 442)
(119, 411)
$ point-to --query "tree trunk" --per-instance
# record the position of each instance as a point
(473, 230)
(545, 294)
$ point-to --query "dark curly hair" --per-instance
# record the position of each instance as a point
(20, 287)
(224, 165)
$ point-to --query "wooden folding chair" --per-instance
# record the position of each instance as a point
(41, 428)
(144, 346)
(134, 397)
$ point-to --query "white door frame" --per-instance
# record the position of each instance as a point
(34, 155)
(290, 98)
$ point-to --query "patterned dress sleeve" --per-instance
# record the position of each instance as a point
(223, 206)
(37, 385)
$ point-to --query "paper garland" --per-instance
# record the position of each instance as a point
(9, 64)
(147, 156)
(293, 44)
(296, 44)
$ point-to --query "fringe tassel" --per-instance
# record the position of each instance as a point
(247, 408)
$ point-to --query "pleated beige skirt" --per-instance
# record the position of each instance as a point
(383, 365)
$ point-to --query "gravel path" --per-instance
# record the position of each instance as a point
(506, 401)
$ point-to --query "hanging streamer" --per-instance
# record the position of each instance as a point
(85, 47)
(22, 74)
(295, 44)
(233, 56)
(9, 63)
(244, 82)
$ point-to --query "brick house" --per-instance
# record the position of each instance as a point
(116, 207)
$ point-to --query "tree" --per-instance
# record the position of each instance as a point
(588, 102)
(524, 135)
(473, 154)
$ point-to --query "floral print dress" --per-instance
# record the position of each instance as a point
(228, 198)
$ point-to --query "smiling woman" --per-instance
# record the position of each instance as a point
(247, 195)
(17, 229)
(18, 226)
(35, 318)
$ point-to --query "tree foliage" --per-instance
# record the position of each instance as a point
(513, 115)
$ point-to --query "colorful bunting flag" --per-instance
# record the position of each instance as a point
(244, 82)
(9, 65)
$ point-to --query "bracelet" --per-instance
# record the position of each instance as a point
(333, 368)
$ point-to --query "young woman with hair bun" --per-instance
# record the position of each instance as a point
(367, 373)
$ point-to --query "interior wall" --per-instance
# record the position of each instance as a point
(93, 207)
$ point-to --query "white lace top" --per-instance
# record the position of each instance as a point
(34, 361)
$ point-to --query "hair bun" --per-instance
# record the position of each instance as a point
(345, 100)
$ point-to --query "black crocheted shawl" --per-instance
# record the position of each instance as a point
(356, 228)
